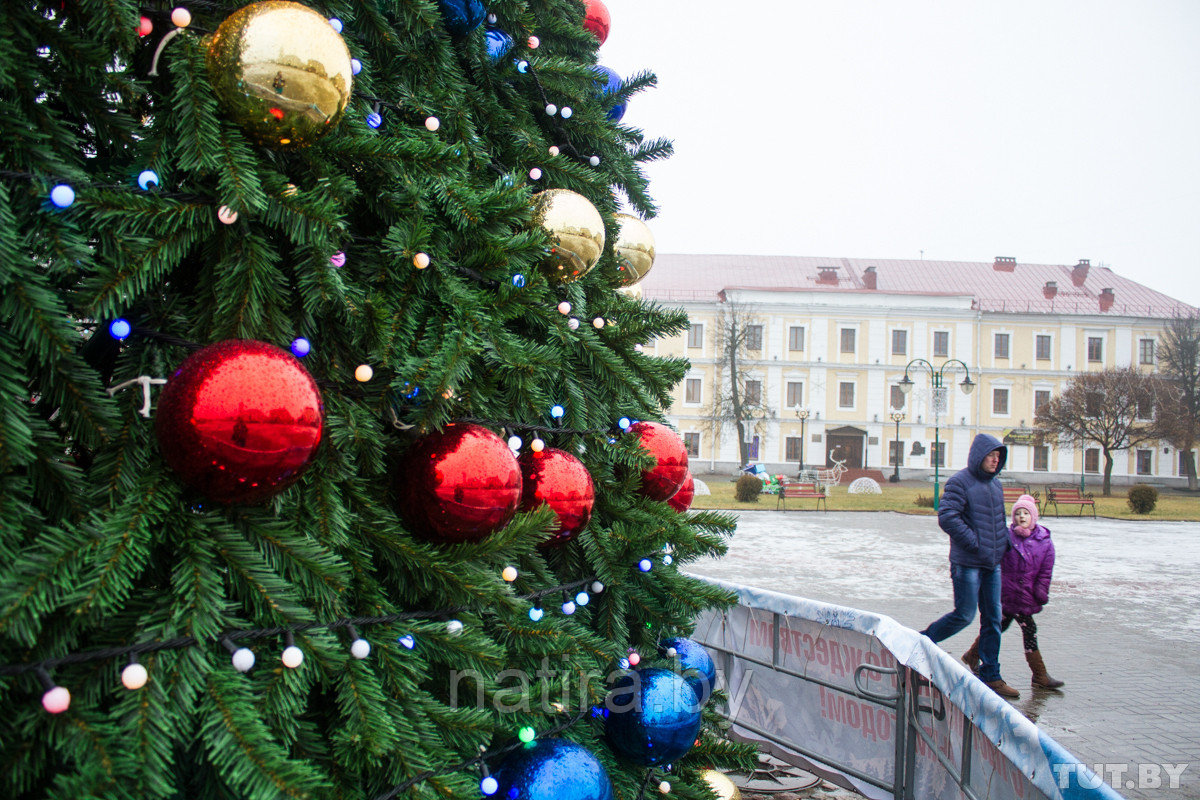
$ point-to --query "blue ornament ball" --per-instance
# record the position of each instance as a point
(695, 665)
(498, 44)
(462, 16)
(653, 716)
(552, 769)
(609, 82)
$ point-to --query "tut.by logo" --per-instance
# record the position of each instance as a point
(1120, 776)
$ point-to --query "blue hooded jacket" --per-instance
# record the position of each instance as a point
(971, 510)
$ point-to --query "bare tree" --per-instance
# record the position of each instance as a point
(1113, 409)
(738, 396)
(1178, 411)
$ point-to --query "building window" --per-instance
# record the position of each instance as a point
(845, 395)
(1095, 348)
(937, 453)
(1041, 344)
(1092, 403)
(1145, 351)
(897, 397)
(692, 394)
(1145, 461)
(1091, 459)
(941, 344)
(796, 337)
(753, 393)
(795, 394)
(848, 340)
(792, 448)
(752, 449)
(899, 343)
(691, 441)
(1145, 407)
(895, 453)
(754, 337)
(1041, 399)
(696, 334)
(1000, 401)
(1001, 345)
(1041, 458)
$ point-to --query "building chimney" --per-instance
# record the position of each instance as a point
(869, 278)
(1005, 264)
(1050, 289)
(1079, 272)
(827, 275)
(1107, 298)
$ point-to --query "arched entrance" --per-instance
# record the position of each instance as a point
(845, 444)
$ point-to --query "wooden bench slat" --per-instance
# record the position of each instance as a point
(802, 491)
(1069, 495)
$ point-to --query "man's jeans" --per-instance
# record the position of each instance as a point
(974, 587)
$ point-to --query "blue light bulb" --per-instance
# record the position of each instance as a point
(336, 24)
(522, 67)
(488, 786)
(568, 608)
(556, 411)
(62, 195)
(668, 560)
(583, 598)
(536, 614)
(623, 423)
(120, 329)
(407, 641)
(146, 178)
(374, 120)
(518, 281)
(644, 565)
(355, 66)
(623, 663)
(301, 347)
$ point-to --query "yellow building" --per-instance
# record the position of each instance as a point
(832, 338)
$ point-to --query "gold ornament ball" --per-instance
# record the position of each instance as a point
(634, 248)
(721, 785)
(577, 230)
(281, 71)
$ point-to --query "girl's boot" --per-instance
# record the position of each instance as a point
(971, 657)
(1038, 667)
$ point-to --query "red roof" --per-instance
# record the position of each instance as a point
(1017, 287)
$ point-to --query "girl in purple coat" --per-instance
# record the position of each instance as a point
(1025, 575)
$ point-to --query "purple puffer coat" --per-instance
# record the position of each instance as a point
(1025, 572)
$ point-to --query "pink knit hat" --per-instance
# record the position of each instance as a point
(1029, 504)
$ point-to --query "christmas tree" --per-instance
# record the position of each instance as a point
(328, 462)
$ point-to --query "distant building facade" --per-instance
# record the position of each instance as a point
(835, 335)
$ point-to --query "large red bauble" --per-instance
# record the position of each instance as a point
(670, 456)
(681, 501)
(239, 421)
(459, 485)
(561, 481)
(596, 19)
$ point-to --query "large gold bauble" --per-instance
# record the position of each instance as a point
(634, 248)
(281, 71)
(721, 785)
(577, 230)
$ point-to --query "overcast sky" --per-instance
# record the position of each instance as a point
(1048, 130)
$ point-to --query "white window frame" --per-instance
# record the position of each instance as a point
(892, 341)
(933, 334)
(803, 339)
(699, 392)
(854, 405)
(694, 328)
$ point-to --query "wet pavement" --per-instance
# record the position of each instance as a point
(1122, 627)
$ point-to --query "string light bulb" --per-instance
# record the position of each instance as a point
(374, 119)
(534, 42)
(537, 445)
(454, 627)
(360, 648)
(554, 150)
(355, 66)
(292, 656)
(566, 112)
(551, 109)
(432, 124)
(535, 174)
(242, 659)
(336, 24)
(645, 565)
(597, 587)
(227, 215)
(338, 259)
(509, 574)
(594, 161)
(536, 613)
(181, 17)
(363, 373)
(120, 329)
(62, 195)
(518, 281)
(407, 641)
(526, 734)
(145, 27)
(421, 260)
(514, 442)
(635, 658)
(134, 676)
(598, 323)
(582, 599)
(147, 178)
(557, 411)
(564, 308)
(301, 347)
(573, 324)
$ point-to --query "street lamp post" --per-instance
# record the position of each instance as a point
(896, 417)
(937, 378)
(802, 415)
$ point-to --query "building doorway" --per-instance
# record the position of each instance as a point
(845, 444)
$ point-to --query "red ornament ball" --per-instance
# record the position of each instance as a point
(670, 456)
(239, 421)
(459, 485)
(681, 501)
(561, 481)
(596, 19)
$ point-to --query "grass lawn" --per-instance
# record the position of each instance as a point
(902, 497)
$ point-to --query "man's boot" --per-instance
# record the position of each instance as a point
(1003, 689)
(971, 657)
(1041, 678)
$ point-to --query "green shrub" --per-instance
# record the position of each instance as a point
(1142, 498)
(748, 488)
(924, 502)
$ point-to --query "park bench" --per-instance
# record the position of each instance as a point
(1013, 493)
(1069, 496)
(801, 491)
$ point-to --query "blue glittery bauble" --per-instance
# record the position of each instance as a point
(695, 664)
(610, 82)
(653, 716)
(498, 44)
(462, 16)
(552, 769)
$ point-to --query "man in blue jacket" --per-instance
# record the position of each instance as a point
(972, 513)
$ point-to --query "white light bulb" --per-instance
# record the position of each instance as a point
(363, 373)
(514, 443)
(509, 574)
(535, 174)
(432, 123)
(134, 676)
(597, 587)
(564, 307)
(292, 657)
(567, 112)
(537, 445)
(360, 649)
(598, 323)
(551, 109)
(573, 324)
(243, 659)
(454, 627)
(594, 161)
